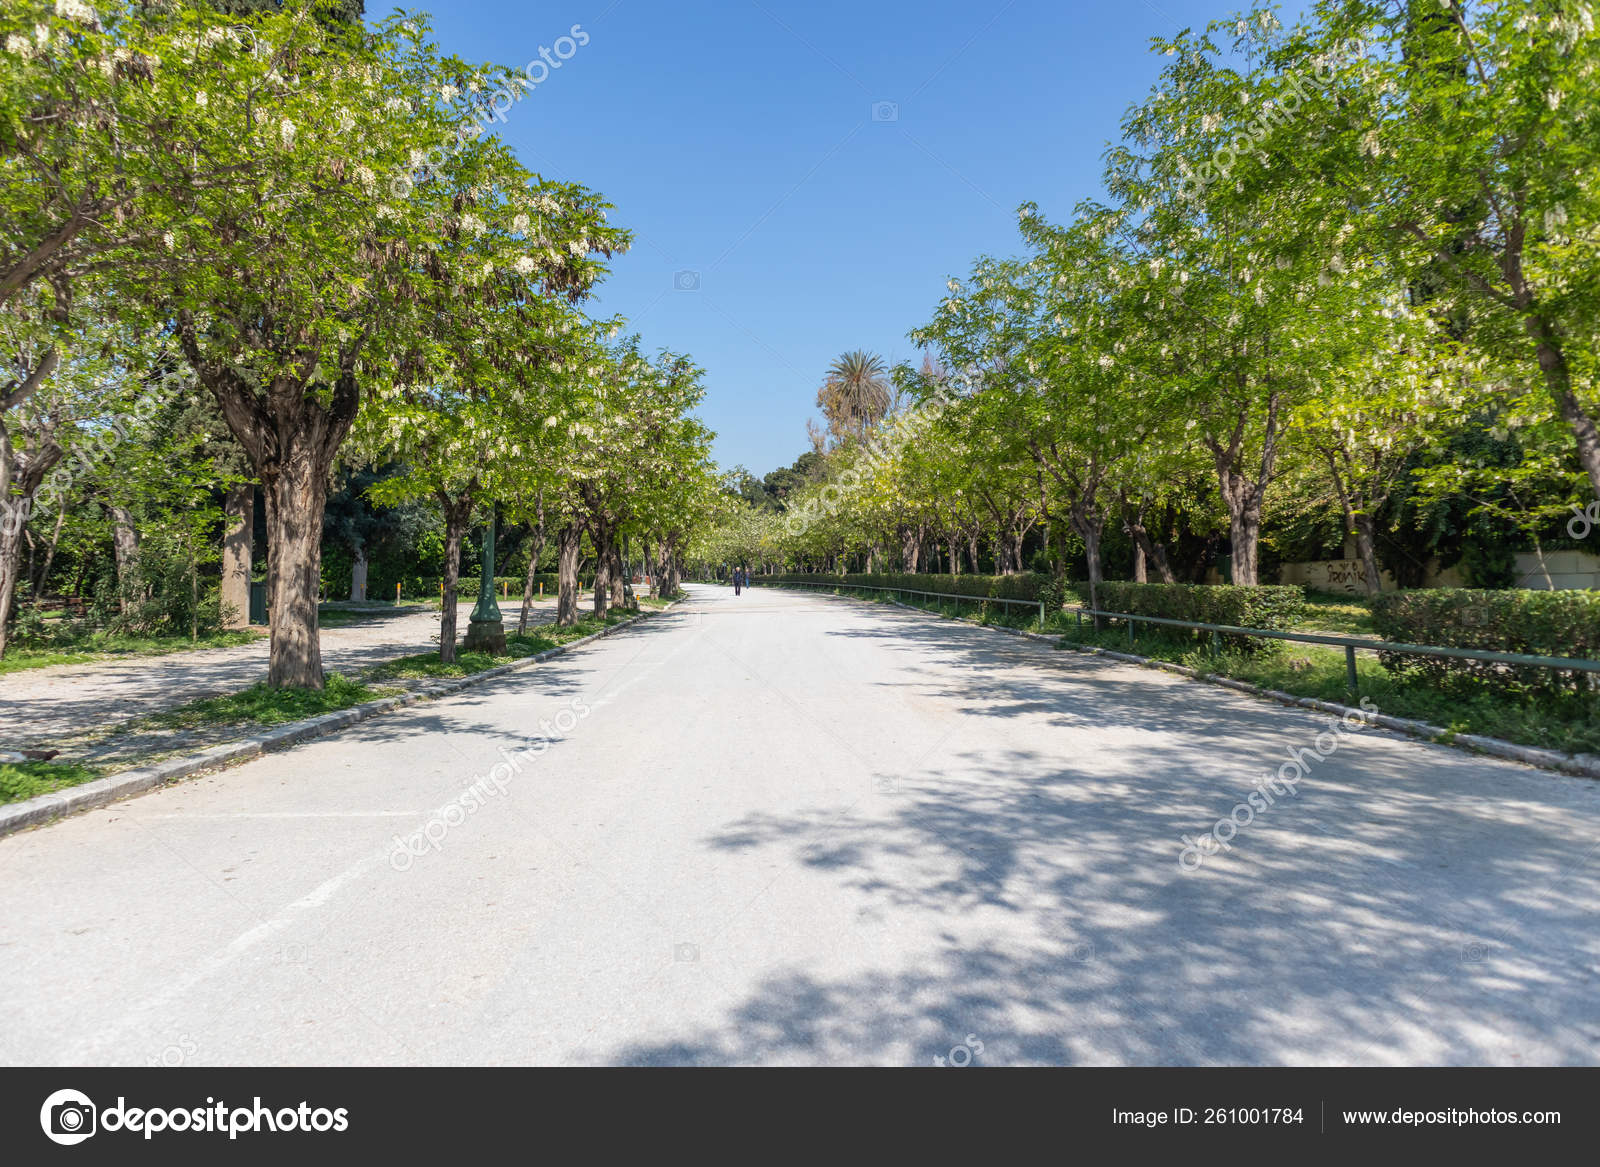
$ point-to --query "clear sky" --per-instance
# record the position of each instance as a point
(744, 143)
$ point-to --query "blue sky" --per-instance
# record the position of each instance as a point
(739, 141)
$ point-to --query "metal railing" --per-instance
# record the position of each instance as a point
(1350, 644)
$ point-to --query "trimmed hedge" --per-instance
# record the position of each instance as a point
(1535, 623)
(1275, 609)
(1023, 586)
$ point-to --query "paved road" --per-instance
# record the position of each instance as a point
(38, 706)
(795, 829)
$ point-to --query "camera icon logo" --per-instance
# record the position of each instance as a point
(885, 111)
(68, 1117)
(686, 281)
(686, 953)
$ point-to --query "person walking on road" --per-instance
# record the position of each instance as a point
(738, 580)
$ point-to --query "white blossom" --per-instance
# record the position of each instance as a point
(525, 265)
(286, 130)
(200, 98)
(20, 45)
(448, 92)
(75, 10)
(519, 224)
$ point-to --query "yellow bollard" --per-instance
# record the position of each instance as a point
(397, 593)
(541, 589)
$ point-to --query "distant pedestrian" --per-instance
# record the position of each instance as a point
(738, 580)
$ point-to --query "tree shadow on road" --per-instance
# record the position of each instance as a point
(1407, 904)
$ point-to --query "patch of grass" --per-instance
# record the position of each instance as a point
(1339, 614)
(1567, 722)
(104, 646)
(20, 780)
(263, 705)
(541, 638)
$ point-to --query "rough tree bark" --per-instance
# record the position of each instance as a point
(358, 575)
(240, 507)
(457, 511)
(291, 436)
(1243, 491)
(1147, 552)
(602, 536)
(569, 542)
(674, 579)
(125, 551)
(1357, 519)
(20, 477)
(619, 578)
(529, 582)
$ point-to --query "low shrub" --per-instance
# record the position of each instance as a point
(1532, 623)
(1275, 609)
(1022, 586)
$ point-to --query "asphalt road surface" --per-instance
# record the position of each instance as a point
(792, 829)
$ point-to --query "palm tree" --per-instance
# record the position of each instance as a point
(855, 394)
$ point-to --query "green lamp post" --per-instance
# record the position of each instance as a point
(485, 630)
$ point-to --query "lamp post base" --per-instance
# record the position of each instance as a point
(485, 636)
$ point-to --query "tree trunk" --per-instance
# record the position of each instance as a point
(1089, 523)
(358, 576)
(911, 549)
(619, 578)
(1243, 494)
(674, 581)
(291, 436)
(457, 511)
(602, 566)
(529, 582)
(50, 555)
(1357, 521)
(239, 505)
(10, 565)
(21, 474)
(1558, 382)
(296, 495)
(1147, 553)
(569, 541)
(125, 549)
(1244, 535)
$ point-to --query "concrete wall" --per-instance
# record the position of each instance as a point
(1567, 569)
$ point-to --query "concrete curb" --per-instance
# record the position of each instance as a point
(46, 807)
(1583, 765)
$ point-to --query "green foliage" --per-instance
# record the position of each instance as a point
(1023, 586)
(1276, 608)
(20, 780)
(1532, 623)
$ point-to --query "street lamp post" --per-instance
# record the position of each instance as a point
(486, 632)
